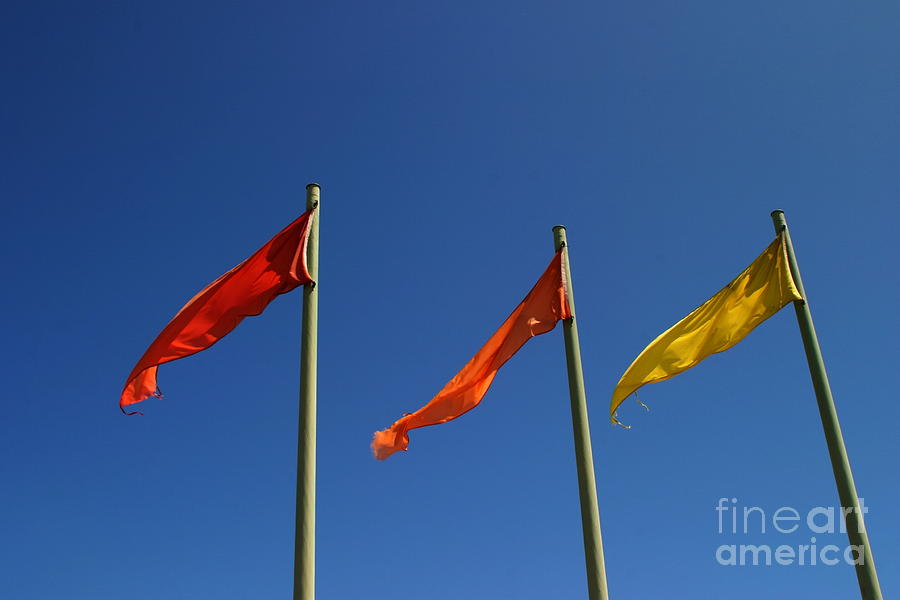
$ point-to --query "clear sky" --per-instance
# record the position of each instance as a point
(148, 146)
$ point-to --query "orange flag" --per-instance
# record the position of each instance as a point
(244, 291)
(538, 313)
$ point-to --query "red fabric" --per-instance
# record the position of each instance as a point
(538, 313)
(244, 291)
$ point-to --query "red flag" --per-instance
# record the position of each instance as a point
(538, 313)
(244, 291)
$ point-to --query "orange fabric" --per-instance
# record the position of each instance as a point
(538, 313)
(244, 291)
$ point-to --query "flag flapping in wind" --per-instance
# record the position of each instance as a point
(244, 291)
(545, 305)
(760, 291)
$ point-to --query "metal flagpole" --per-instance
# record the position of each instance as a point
(587, 487)
(840, 464)
(305, 532)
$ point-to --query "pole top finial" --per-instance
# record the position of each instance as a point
(559, 237)
(309, 185)
(777, 211)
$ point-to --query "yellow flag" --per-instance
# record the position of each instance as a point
(759, 292)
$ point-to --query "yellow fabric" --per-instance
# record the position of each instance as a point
(760, 291)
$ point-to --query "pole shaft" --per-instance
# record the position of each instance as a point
(840, 464)
(305, 523)
(584, 458)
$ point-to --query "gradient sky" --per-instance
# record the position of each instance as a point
(148, 146)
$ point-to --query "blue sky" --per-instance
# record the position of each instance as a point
(147, 147)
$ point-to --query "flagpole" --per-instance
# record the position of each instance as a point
(305, 521)
(840, 464)
(584, 459)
